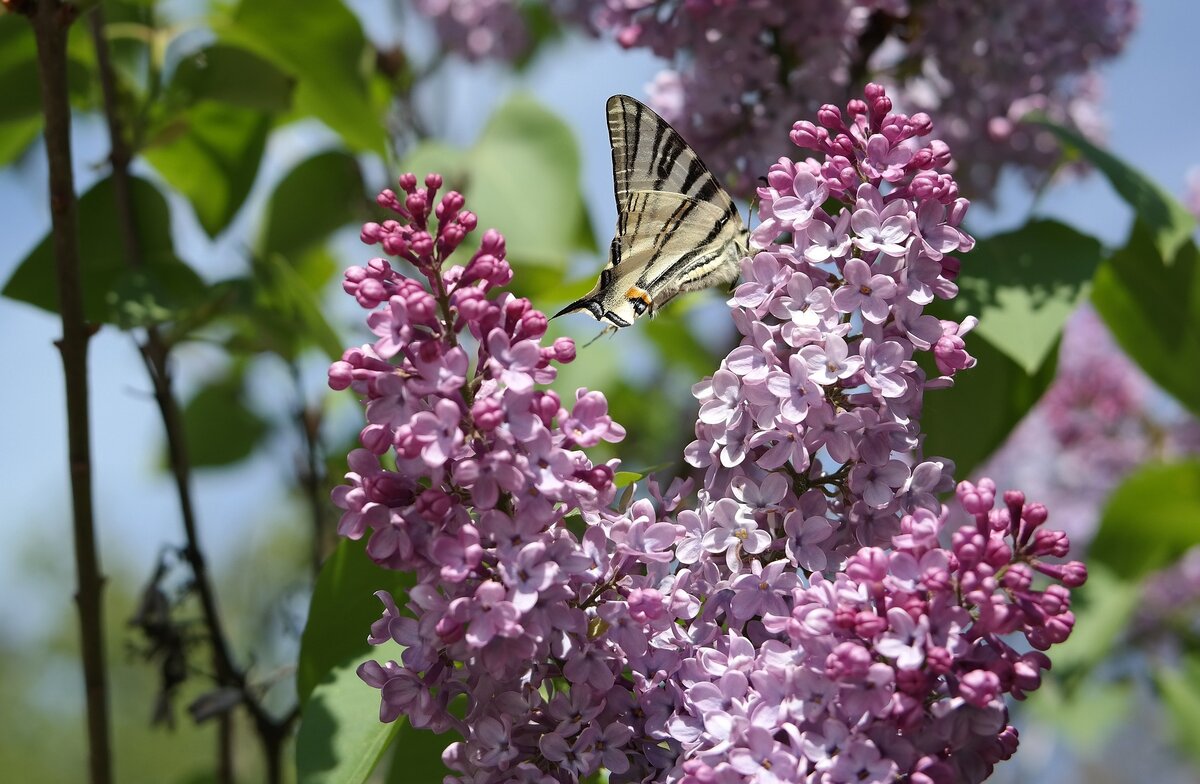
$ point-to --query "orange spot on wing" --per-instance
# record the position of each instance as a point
(636, 293)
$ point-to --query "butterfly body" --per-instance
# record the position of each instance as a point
(677, 228)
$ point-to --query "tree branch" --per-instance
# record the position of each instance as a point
(51, 23)
(155, 351)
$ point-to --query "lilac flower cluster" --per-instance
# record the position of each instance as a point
(740, 71)
(801, 620)
(478, 29)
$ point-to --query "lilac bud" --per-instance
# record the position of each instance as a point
(564, 350)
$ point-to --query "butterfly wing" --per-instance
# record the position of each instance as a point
(677, 228)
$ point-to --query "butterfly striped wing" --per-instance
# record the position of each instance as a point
(677, 228)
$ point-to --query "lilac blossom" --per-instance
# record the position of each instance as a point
(810, 615)
(738, 73)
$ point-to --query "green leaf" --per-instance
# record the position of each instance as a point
(969, 421)
(232, 75)
(321, 194)
(623, 478)
(1180, 691)
(324, 49)
(107, 276)
(1169, 222)
(341, 739)
(16, 136)
(19, 82)
(1023, 285)
(1153, 310)
(221, 430)
(521, 178)
(280, 313)
(1086, 717)
(210, 153)
(1150, 520)
(418, 756)
(340, 616)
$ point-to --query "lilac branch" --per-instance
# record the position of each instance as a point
(155, 351)
(51, 22)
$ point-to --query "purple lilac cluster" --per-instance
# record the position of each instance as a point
(802, 618)
(478, 29)
(740, 71)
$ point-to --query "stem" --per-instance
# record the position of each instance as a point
(155, 352)
(310, 474)
(51, 22)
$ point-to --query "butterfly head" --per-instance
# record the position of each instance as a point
(606, 304)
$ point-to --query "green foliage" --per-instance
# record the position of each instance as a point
(1170, 224)
(969, 421)
(324, 50)
(1179, 688)
(317, 197)
(231, 75)
(110, 285)
(210, 153)
(341, 613)
(1150, 520)
(1152, 308)
(20, 107)
(521, 177)
(1023, 286)
(221, 429)
(340, 738)
(417, 757)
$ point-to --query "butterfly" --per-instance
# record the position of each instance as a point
(677, 228)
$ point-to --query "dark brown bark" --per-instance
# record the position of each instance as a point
(51, 23)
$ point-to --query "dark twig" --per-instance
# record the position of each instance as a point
(51, 22)
(155, 353)
(308, 422)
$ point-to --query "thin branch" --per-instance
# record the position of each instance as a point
(308, 422)
(155, 353)
(51, 22)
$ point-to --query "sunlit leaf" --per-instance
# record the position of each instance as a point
(341, 739)
(325, 50)
(340, 616)
(1024, 284)
(522, 178)
(1153, 310)
(1169, 222)
(1150, 520)
(210, 153)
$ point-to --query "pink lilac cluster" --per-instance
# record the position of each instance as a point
(1170, 604)
(1191, 195)
(740, 71)
(478, 29)
(1100, 419)
(809, 616)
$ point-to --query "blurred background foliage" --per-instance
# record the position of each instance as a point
(258, 132)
